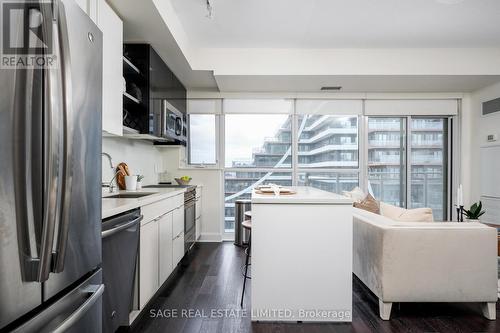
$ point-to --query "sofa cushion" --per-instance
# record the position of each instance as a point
(406, 215)
(369, 204)
(356, 194)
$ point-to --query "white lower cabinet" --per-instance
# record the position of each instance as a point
(178, 249)
(178, 235)
(148, 262)
(178, 221)
(161, 245)
(165, 246)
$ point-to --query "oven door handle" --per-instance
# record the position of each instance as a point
(189, 204)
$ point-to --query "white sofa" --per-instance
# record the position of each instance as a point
(425, 261)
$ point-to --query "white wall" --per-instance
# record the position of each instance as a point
(212, 196)
(481, 126)
(140, 156)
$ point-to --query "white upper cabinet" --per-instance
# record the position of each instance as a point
(112, 68)
(89, 7)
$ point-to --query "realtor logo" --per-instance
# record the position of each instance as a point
(27, 34)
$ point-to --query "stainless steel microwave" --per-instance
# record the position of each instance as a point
(173, 123)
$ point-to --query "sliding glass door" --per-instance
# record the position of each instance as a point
(429, 161)
(408, 162)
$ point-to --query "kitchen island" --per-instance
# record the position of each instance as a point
(301, 256)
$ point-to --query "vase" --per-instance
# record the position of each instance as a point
(139, 185)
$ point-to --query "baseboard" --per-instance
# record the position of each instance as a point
(210, 237)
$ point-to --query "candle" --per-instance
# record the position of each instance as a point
(461, 195)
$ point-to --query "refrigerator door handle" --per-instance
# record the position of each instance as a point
(39, 268)
(66, 92)
(96, 291)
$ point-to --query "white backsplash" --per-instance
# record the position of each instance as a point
(142, 157)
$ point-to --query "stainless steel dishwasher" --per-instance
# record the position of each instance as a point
(120, 244)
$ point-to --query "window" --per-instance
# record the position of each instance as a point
(428, 158)
(328, 141)
(415, 179)
(202, 139)
(260, 143)
(387, 159)
(311, 142)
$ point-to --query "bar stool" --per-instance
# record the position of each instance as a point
(247, 224)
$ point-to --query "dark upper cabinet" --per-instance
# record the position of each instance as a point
(164, 83)
(155, 84)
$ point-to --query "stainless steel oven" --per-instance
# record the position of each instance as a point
(189, 218)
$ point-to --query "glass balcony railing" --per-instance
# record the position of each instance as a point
(239, 185)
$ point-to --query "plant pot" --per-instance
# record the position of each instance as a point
(471, 220)
(130, 183)
(139, 186)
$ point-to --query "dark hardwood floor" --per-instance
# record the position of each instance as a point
(210, 279)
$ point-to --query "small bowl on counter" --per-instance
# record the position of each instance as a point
(182, 181)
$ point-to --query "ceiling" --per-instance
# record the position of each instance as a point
(341, 23)
(300, 46)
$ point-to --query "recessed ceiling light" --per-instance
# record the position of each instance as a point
(336, 88)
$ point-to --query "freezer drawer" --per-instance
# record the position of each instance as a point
(79, 310)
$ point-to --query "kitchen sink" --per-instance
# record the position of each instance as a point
(128, 195)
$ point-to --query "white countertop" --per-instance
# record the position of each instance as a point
(114, 206)
(304, 195)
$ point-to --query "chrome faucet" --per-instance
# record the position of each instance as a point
(110, 184)
(109, 159)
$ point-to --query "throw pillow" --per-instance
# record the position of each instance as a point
(369, 204)
(356, 194)
(406, 215)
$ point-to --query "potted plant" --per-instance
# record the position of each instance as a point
(474, 212)
(139, 182)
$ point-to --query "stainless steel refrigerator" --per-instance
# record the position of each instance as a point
(50, 172)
